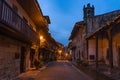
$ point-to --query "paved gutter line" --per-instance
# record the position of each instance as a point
(82, 73)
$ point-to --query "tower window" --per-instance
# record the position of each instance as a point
(88, 14)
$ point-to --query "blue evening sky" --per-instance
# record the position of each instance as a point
(64, 13)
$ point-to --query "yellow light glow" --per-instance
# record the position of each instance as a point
(59, 51)
(41, 37)
(66, 54)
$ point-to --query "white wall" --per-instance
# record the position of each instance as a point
(91, 48)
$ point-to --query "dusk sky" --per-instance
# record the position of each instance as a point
(64, 13)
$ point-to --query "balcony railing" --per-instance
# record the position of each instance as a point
(9, 17)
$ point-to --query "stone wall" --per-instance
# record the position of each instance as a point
(9, 64)
(98, 21)
(103, 49)
(91, 49)
(116, 46)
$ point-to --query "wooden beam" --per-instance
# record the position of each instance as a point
(110, 47)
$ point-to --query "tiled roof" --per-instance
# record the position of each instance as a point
(76, 29)
(106, 18)
(115, 20)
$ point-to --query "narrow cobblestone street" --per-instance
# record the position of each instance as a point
(60, 70)
(59, 40)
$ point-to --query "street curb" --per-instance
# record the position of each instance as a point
(81, 72)
(93, 71)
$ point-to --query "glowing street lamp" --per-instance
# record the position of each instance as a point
(60, 51)
(66, 54)
(41, 37)
(59, 54)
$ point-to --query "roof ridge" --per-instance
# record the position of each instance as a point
(107, 13)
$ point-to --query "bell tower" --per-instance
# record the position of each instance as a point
(88, 11)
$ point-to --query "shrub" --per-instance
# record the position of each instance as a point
(36, 63)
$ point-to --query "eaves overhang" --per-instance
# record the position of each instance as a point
(34, 11)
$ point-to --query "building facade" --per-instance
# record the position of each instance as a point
(20, 22)
(77, 38)
(101, 37)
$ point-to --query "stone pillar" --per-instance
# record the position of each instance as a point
(87, 48)
(74, 55)
(110, 48)
(27, 58)
(96, 50)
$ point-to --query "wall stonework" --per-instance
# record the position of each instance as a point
(116, 45)
(10, 55)
(91, 49)
(95, 24)
(105, 27)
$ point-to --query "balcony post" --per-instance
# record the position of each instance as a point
(1, 8)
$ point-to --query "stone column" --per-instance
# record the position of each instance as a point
(96, 50)
(110, 47)
(87, 48)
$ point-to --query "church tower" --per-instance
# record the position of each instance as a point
(88, 13)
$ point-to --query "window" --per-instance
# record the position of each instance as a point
(89, 12)
(17, 55)
(92, 57)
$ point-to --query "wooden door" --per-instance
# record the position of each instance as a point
(22, 60)
(32, 53)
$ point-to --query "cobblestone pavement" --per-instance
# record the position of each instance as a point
(60, 70)
(103, 72)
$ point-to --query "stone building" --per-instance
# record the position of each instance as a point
(48, 48)
(77, 38)
(101, 37)
(20, 24)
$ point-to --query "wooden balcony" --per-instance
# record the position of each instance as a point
(13, 25)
